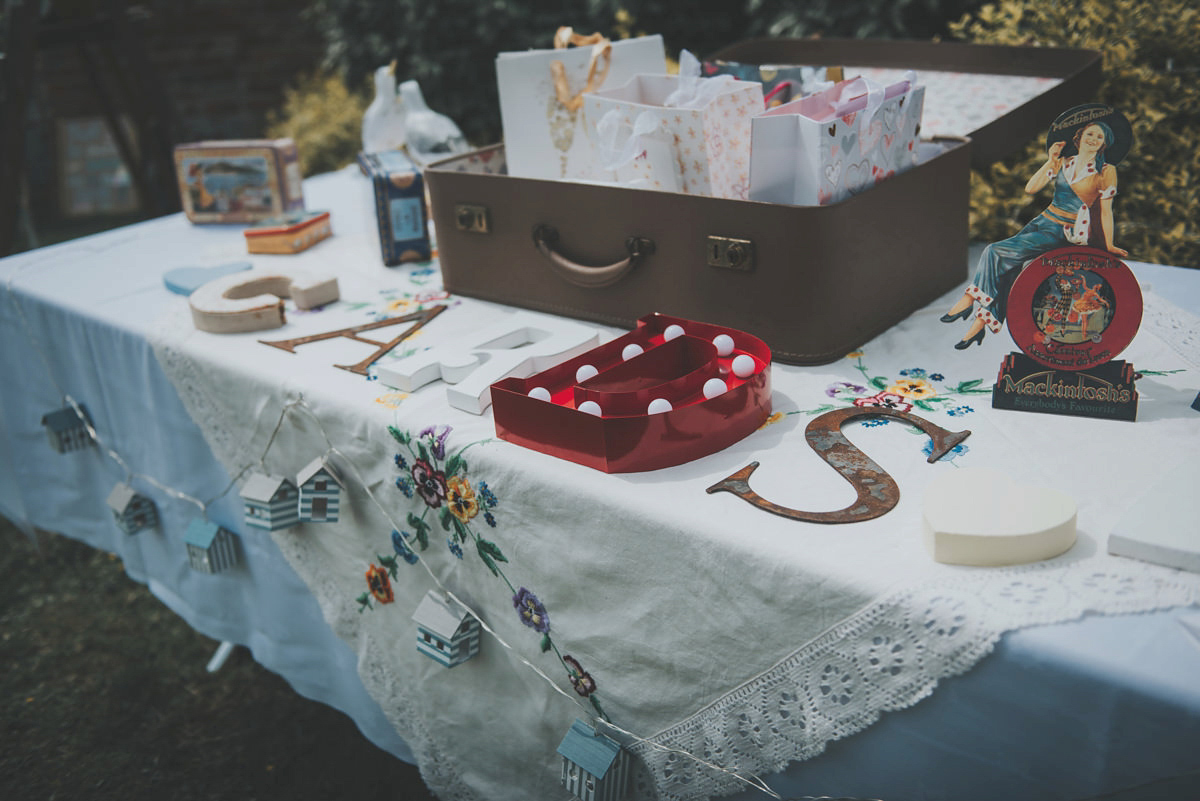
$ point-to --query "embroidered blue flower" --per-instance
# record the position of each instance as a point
(485, 492)
(959, 411)
(531, 611)
(403, 485)
(844, 387)
(401, 462)
(402, 549)
(951, 455)
(936, 377)
(914, 372)
(455, 548)
(490, 518)
(871, 422)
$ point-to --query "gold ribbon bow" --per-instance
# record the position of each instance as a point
(598, 66)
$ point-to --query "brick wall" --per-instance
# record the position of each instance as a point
(222, 66)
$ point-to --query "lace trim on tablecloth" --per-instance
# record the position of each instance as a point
(889, 656)
(200, 393)
(1179, 329)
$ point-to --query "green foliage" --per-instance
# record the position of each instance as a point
(1151, 59)
(325, 120)
(885, 19)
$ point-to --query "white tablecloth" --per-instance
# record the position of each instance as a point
(708, 627)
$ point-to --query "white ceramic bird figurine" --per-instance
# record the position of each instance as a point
(383, 126)
(431, 136)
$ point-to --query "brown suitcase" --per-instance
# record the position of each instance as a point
(813, 282)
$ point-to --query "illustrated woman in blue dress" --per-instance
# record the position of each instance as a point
(1083, 146)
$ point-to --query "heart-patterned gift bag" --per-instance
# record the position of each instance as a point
(836, 143)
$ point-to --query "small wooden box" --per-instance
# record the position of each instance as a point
(290, 233)
(399, 206)
(238, 180)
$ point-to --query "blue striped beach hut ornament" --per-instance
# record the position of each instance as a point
(320, 490)
(67, 429)
(270, 502)
(131, 511)
(210, 547)
(446, 632)
(594, 767)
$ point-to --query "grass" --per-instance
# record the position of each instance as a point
(105, 696)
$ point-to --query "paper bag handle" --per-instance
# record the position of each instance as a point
(565, 36)
(601, 51)
(545, 237)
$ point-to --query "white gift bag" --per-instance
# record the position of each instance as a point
(685, 133)
(637, 152)
(541, 98)
(826, 147)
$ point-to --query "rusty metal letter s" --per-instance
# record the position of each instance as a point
(878, 492)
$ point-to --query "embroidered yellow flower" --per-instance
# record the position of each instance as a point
(774, 418)
(854, 355)
(391, 399)
(460, 498)
(914, 388)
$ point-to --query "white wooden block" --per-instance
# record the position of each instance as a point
(1163, 526)
(252, 300)
(518, 346)
(977, 516)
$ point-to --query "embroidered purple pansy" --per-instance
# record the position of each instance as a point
(844, 387)
(431, 484)
(437, 443)
(531, 611)
(581, 680)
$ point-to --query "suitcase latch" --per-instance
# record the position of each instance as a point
(729, 253)
(471, 218)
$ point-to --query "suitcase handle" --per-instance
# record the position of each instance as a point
(545, 238)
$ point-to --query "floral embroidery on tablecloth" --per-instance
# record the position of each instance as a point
(436, 478)
(914, 389)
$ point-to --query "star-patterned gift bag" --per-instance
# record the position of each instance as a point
(698, 144)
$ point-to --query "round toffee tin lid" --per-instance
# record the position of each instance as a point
(1074, 308)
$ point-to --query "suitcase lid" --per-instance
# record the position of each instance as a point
(1037, 83)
